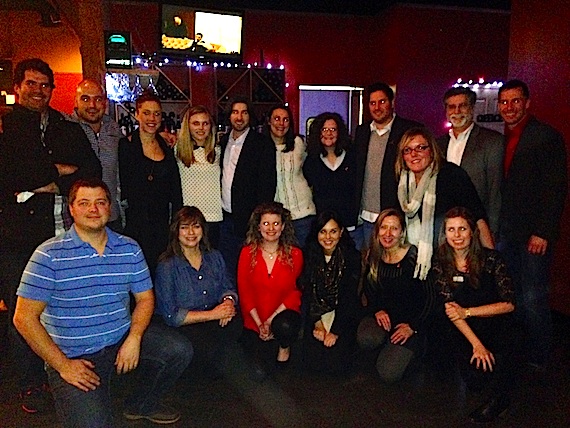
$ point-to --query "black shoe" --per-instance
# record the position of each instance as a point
(36, 400)
(162, 415)
(491, 410)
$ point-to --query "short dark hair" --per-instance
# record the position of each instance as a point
(200, 34)
(516, 84)
(91, 183)
(314, 145)
(147, 96)
(471, 95)
(34, 64)
(242, 100)
(380, 86)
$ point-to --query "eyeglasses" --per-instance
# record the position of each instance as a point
(418, 149)
(323, 130)
(462, 106)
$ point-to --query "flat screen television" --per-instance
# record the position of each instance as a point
(201, 35)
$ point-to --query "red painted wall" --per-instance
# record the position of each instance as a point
(540, 43)
(421, 50)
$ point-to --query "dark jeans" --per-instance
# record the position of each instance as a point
(230, 245)
(31, 372)
(530, 275)
(163, 357)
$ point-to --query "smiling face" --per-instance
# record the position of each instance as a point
(513, 106)
(390, 232)
(190, 235)
(418, 155)
(239, 118)
(279, 123)
(458, 233)
(459, 112)
(200, 127)
(329, 236)
(90, 209)
(90, 102)
(270, 227)
(149, 116)
(35, 91)
(329, 133)
(381, 108)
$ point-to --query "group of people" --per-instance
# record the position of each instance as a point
(385, 243)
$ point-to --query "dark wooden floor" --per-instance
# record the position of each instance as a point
(293, 398)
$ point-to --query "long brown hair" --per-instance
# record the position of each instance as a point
(185, 215)
(446, 255)
(185, 143)
(287, 239)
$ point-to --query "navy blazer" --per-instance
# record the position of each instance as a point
(388, 180)
(483, 161)
(255, 177)
(536, 185)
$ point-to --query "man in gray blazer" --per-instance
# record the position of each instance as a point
(479, 151)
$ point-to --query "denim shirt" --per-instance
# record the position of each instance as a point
(180, 288)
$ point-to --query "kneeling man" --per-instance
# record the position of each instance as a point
(73, 310)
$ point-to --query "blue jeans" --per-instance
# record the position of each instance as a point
(530, 275)
(361, 235)
(302, 228)
(163, 357)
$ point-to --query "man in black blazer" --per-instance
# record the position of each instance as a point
(533, 194)
(479, 151)
(249, 177)
(376, 184)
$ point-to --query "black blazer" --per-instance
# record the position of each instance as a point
(255, 177)
(536, 185)
(389, 182)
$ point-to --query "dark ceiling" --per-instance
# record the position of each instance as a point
(350, 7)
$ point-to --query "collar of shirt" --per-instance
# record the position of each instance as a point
(383, 130)
(112, 238)
(515, 133)
(239, 140)
(337, 162)
(463, 136)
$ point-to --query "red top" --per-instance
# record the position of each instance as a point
(513, 137)
(265, 292)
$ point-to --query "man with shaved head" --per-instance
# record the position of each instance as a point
(103, 134)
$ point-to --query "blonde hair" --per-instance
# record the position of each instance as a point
(185, 143)
(437, 159)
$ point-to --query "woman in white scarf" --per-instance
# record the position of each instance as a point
(428, 187)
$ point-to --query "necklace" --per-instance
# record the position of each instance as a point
(270, 254)
(150, 176)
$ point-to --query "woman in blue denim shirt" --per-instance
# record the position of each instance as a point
(194, 292)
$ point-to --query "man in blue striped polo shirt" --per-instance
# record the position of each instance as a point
(73, 310)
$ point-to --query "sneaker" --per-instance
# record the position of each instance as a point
(37, 399)
(163, 415)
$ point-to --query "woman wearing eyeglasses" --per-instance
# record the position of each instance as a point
(330, 168)
(292, 188)
(429, 186)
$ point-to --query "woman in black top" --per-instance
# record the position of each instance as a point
(479, 299)
(330, 167)
(329, 279)
(399, 306)
(150, 182)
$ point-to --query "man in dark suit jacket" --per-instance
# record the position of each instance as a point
(479, 151)
(376, 184)
(249, 177)
(533, 194)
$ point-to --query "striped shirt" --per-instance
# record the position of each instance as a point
(87, 294)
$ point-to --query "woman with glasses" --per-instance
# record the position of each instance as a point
(428, 187)
(330, 168)
(292, 188)
(198, 158)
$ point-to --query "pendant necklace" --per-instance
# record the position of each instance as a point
(271, 255)
(150, 176)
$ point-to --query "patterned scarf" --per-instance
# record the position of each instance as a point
(420, 232)
(325, 283)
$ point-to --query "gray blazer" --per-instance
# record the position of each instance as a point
(483, 161)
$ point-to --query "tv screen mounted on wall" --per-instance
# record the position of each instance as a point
(201, 35)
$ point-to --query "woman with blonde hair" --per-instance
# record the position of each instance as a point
(268, 269)
(198, 158)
